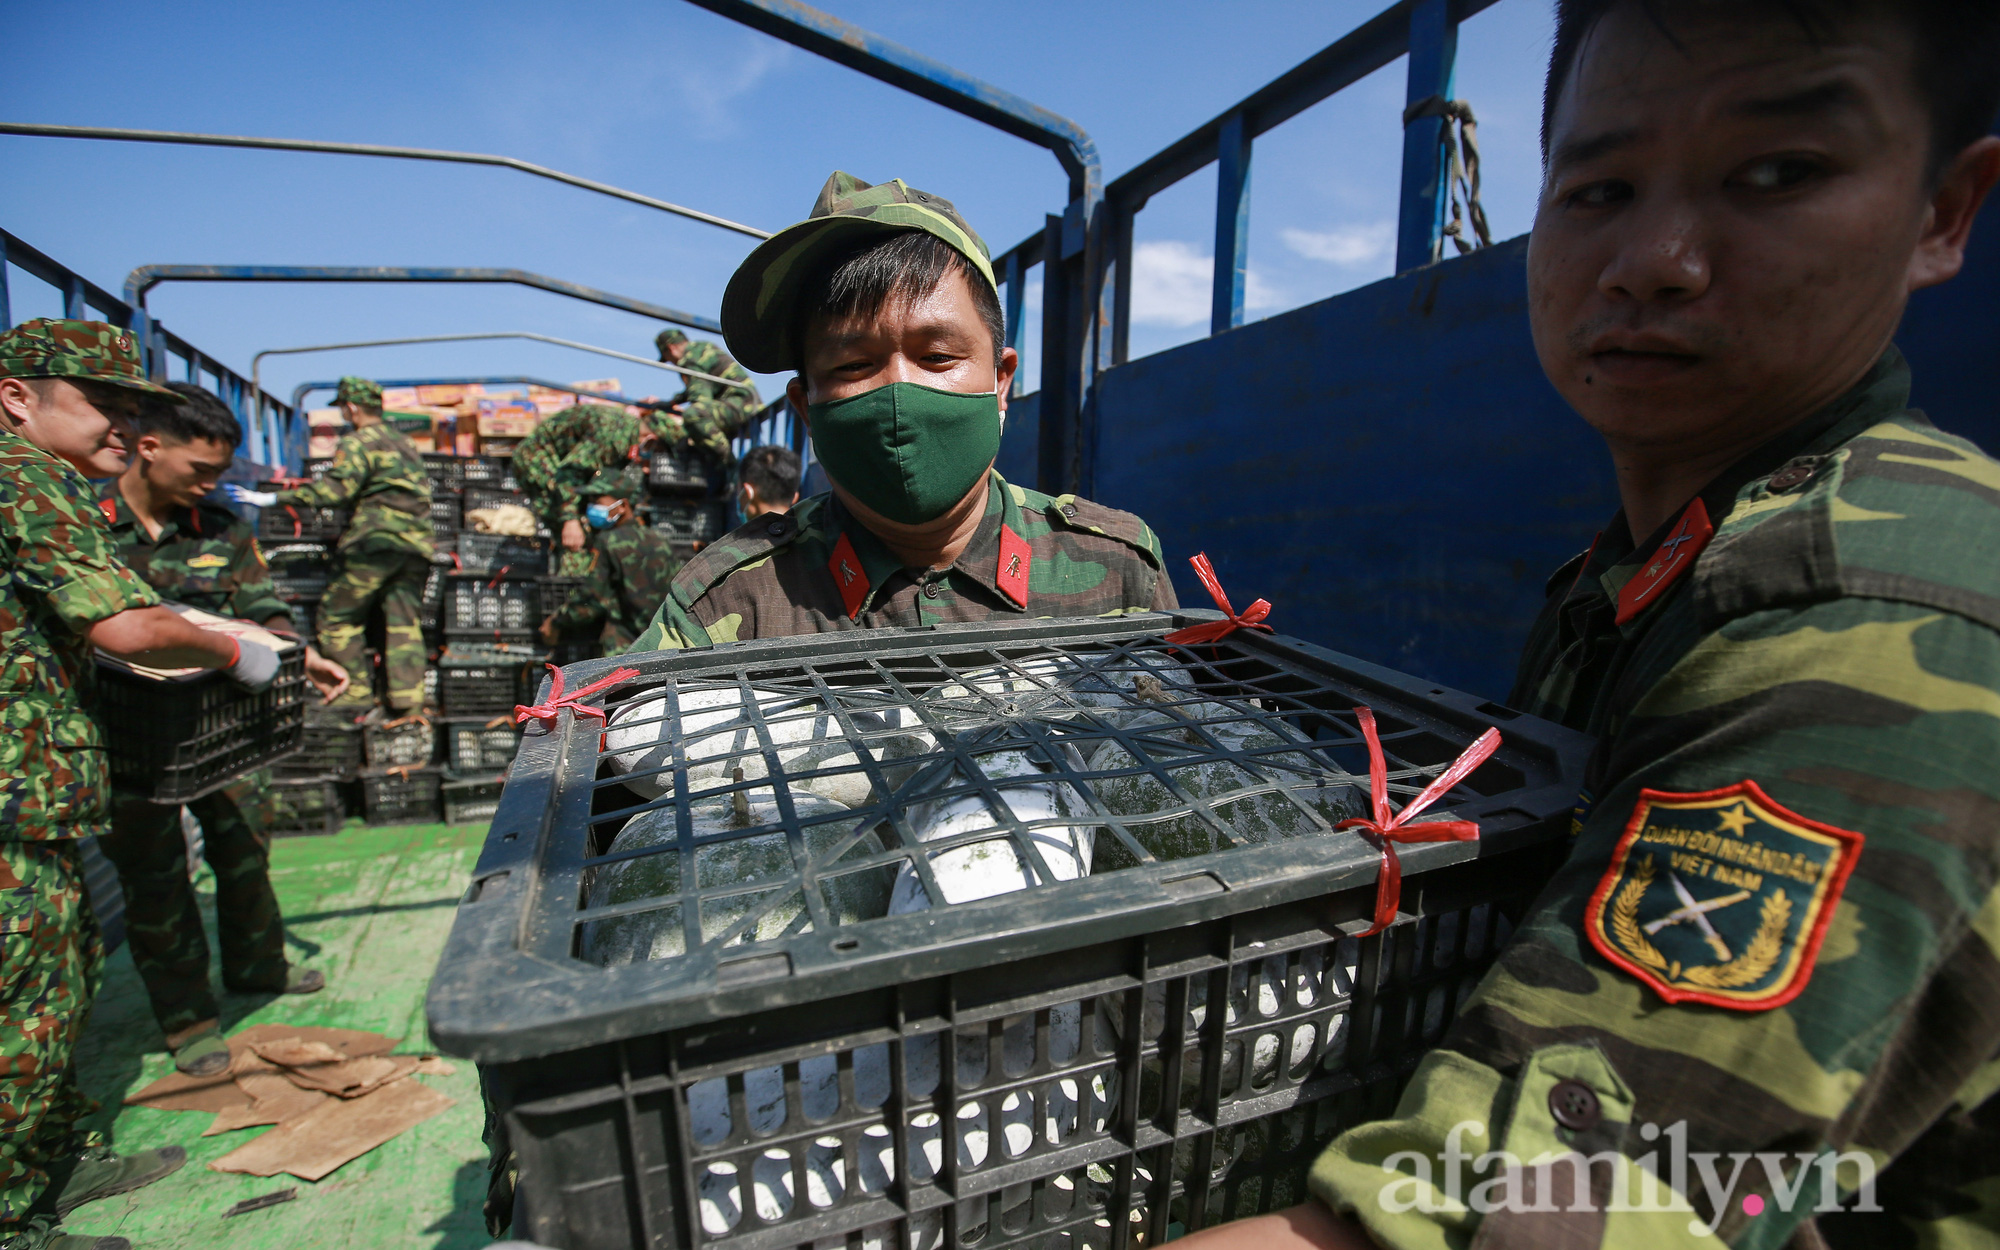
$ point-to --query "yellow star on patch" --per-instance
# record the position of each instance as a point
(1735, 820)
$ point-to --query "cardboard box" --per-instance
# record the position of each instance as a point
(320, 446)
(497, 446)
(468, 443)
(423, 442)
(508, 422)
(440, 395)
(599, 386)
(403, 397)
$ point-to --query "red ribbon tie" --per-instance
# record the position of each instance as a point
(1251, 617)
(1383, 830)
(558, 700)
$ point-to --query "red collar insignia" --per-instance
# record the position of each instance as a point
(1669, 560)
(1011, 574)
(109, 507)
(848, 576)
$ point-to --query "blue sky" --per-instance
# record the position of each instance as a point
(667, 99)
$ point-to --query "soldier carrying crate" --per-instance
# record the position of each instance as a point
(167, 529)
(67, 390)
(385, 553)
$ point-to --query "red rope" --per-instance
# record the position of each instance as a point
(297, 528)
(1383, 830)
(558, 700)
(1251, 617)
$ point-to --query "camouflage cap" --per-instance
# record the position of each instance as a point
(759, 304)
(88, 350)
(668, 337)
(358, 391)
(625, 482)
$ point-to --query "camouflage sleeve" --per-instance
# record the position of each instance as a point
(674, 626)
(341, 485)
(63, 549)
(255, 597)
(1763, 992)
(585, 606)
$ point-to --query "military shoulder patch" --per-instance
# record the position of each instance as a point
(207, 560)
(1720, 897)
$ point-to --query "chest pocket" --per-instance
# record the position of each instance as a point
(17, 911)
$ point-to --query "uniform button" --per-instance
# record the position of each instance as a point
(1792, 474)
(775, 528)
(1069, 509)
(930, 590)
(1575, 1105)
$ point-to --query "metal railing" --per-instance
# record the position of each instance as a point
(260, 413)
(1086, 251)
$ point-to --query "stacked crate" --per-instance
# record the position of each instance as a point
(685, 500)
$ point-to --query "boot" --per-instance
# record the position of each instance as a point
(204, 1054)
(101, 1172)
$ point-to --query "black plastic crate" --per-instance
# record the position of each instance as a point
(688, 524)
(676, 471)
(487, 471)
(430, 608)
(446, 473)
(692, 985)
(471, 801)
(399, 796)
(178, 739)
(485, 681)
(493, 496)
(306, 806)
(490, 553)
(445, 517)
(300, 571)
(399, 742)
(289, 523)
(480, 744)
(329, 746)
(497, 608)
(305, 615)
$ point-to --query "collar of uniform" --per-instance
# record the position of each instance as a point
(1881, 392)
(178, 520)
(980, 560)
(878, 563)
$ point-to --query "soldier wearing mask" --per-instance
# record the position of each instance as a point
(630, 566)
(883, 303)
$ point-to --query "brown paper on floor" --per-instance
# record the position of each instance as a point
(435, 1065)
(341, 1130)
(353, 1077)
(177, 1091)
(274, 1099)
(296, 1052)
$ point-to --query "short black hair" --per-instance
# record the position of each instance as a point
(1957, 67)
(198, 415)
(862, 280)
(771, 472)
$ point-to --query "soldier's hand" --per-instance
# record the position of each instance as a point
(256, 666)
(548, 632)
(327, 677)
(255, 498)
(572, 535)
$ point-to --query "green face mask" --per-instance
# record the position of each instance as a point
(905, 451)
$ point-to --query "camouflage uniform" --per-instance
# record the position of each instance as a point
(61, 576)
(207, 558)
(627, 574)
(384, 556)
(1836, 643)
(816, 570)
(712, 413)
(553, 464)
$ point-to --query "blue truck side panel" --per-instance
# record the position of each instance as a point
(1390, 468)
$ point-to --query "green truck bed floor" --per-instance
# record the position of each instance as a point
(370, 909)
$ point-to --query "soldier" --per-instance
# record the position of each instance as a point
(767, 480)
(884, 303)
(1774, 949)
(194, 551)
(711, 412)
(556, 462)
(67, 388)
(384, 553)
(630, 567)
